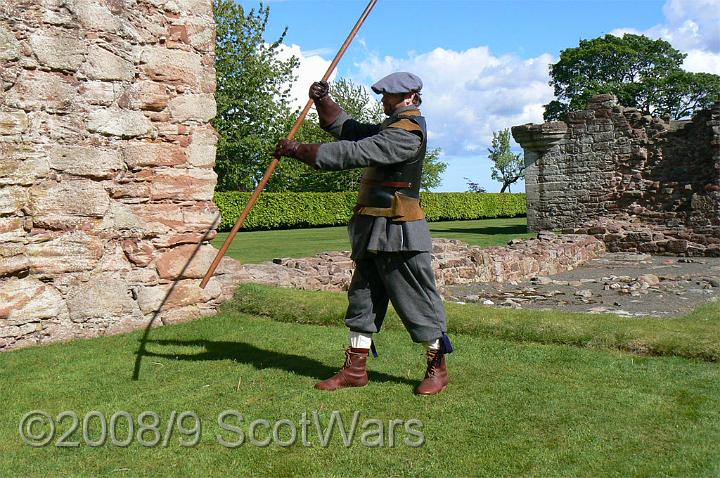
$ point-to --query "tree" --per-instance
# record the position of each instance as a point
(685, 93)
(508, 167)
(354, 99)
(474, 187)
(433, 168)
(643, 73)
(252, 95)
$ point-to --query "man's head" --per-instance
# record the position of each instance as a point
(398, 89)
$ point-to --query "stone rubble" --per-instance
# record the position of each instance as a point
(620, 283)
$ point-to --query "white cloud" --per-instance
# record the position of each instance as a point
(691, 26)
(312, 67)
(469, 94)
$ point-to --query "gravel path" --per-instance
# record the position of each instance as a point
(621, 283)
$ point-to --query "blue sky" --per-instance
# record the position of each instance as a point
(484, 63)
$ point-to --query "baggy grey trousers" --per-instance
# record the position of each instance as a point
(407, 280)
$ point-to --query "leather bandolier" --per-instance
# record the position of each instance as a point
(393, 191)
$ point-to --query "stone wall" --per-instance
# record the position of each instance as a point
(453, 261)
(612, 161)
(106, 158)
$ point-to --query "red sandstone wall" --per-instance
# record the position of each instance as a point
(106, 157)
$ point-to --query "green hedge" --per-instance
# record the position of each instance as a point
(295, 210)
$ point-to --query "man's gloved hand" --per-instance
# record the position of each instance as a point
(319, 90)
(287, 148)
(327, 109)
(302, 151)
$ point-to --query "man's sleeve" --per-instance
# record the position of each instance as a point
(346, 128)
(391, 145)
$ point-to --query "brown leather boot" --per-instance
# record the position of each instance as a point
(353, 373)
(436, 376)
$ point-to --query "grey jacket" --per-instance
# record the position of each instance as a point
(361, 145)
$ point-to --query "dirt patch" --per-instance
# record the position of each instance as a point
(620, 283)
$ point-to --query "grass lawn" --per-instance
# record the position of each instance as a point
(258, 246)
(513, 408)
(532, 393)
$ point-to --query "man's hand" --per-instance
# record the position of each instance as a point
(287, 148)
(292, 149)
(319, 90)
(327, 109)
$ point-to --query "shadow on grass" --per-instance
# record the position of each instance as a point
(141, 350)
(490, 230)
(262, 359)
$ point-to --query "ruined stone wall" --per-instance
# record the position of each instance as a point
(453, 262)
(106, 157)
(611, 161)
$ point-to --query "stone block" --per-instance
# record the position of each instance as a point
(9, 46)
(102, 297)
(184, 184)
(70, 252)
(42, 90)
(118, 218)
(129, 192)
(89, 161)
(14, 122)
(29, 300)
(114, 260)
(143, 154)
(180, 294)
(12, 229)
(25, 172)
(677, 246)
(13, 259)
(187, 261)
(67, 203)
(197, 32)
(102, 93)
(202, 150)
(138, 251)
(13, 199)
(159, 218)
(94, 15)
(58, 50)
(120, 123)
(199, 8)
(62, 128)
(172, 66)
(201, 108)
(145, 95)
(102, 64)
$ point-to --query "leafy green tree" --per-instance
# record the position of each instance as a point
(252, 94)
(508, 167)
(685, 93)
(643, 73)
(432, 170)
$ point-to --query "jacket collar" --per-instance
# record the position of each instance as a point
(405, 109)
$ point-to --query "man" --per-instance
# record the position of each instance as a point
(390, 238)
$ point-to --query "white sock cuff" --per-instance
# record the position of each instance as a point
(360, 340)
(433, 345)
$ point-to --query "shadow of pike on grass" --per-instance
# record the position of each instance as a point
(260, 359)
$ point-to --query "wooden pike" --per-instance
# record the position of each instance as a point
(271, 168)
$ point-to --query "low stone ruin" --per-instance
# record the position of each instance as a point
(454, 262)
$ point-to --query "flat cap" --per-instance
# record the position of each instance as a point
(398, 82)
